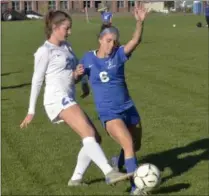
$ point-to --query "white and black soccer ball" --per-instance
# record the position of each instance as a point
(147, 177)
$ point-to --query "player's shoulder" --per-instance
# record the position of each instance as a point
(118, 52)
(89, 53)
(119, 49)
(44, 49)
(88, 57)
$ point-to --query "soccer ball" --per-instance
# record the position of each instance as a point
(147, 177)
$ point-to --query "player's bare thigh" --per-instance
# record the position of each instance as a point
(119, 132)
(77, 120)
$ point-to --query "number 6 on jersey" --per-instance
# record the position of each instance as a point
(104, 76)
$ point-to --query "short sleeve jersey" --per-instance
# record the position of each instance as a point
(107, 80)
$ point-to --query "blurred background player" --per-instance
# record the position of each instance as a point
(117, 112)
(56, 62)
(207, 13)
(106, 15)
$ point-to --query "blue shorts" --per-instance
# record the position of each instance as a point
(129, 117)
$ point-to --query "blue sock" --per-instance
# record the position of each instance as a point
(121, 159)
(131, 166)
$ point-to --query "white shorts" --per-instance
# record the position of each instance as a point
(53, 110)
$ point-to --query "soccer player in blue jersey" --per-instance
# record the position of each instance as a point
(105, 69)
(106, 15)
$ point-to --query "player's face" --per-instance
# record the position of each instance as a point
(63, 30)
(108, 42)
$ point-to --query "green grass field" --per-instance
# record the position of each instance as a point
(168, 80)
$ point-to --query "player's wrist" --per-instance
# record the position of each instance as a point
(31, 111)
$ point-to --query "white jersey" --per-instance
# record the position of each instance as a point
(55, 64)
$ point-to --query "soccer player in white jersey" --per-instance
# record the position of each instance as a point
(56, 63)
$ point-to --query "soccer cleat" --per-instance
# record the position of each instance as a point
(115, 176)
(76, 183)
(138, 192)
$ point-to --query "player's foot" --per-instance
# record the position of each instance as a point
(138, 192)
(76, 183)
(115, 176)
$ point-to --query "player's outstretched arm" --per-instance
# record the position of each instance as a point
(140, 14)
(40, 67)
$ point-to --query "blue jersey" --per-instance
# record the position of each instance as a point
(107, 80)
(106, 17)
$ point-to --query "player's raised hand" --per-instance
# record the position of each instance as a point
(140, 12)
(26, 121)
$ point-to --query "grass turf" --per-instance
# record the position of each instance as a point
(168, 80)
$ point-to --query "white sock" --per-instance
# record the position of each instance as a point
(94, 151)
(83, 162)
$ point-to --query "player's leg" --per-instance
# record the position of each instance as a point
(78, 121)
(132, 121)
(120, 133)
(82, 164)
(207, 20)
(83, 161)
(96, 133)
(136, 133)
(135, 128)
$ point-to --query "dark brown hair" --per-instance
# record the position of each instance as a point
(54, 18)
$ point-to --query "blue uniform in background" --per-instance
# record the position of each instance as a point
(107, 80)
(207, 12)
(106, 17)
